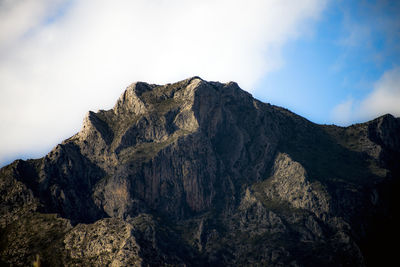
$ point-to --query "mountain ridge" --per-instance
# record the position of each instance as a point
(201, 173)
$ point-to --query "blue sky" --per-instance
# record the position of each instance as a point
(349, 49)
(329, 61)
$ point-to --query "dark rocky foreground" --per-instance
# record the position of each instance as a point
(200, 173)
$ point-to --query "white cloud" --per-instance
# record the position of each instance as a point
(384, 98)
(18, 17)
(52, 73)
(342, 113)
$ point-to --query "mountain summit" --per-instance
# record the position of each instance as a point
(200, 173)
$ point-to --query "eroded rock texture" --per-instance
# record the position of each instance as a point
(200, 173)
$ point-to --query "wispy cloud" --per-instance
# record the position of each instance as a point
(371, 27)
(342, 114)
(19, 17)
(384, 98)
(53, 70)
(370, 48)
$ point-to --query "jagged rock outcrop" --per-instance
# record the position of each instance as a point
(107, 242)
(201, 173)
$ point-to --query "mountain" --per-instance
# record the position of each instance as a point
(200, 173)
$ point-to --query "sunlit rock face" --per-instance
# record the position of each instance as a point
(201, 173)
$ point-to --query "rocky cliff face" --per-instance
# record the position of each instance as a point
(201, 173)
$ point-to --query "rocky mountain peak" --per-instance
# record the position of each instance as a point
(381, 130)
(201, 173)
